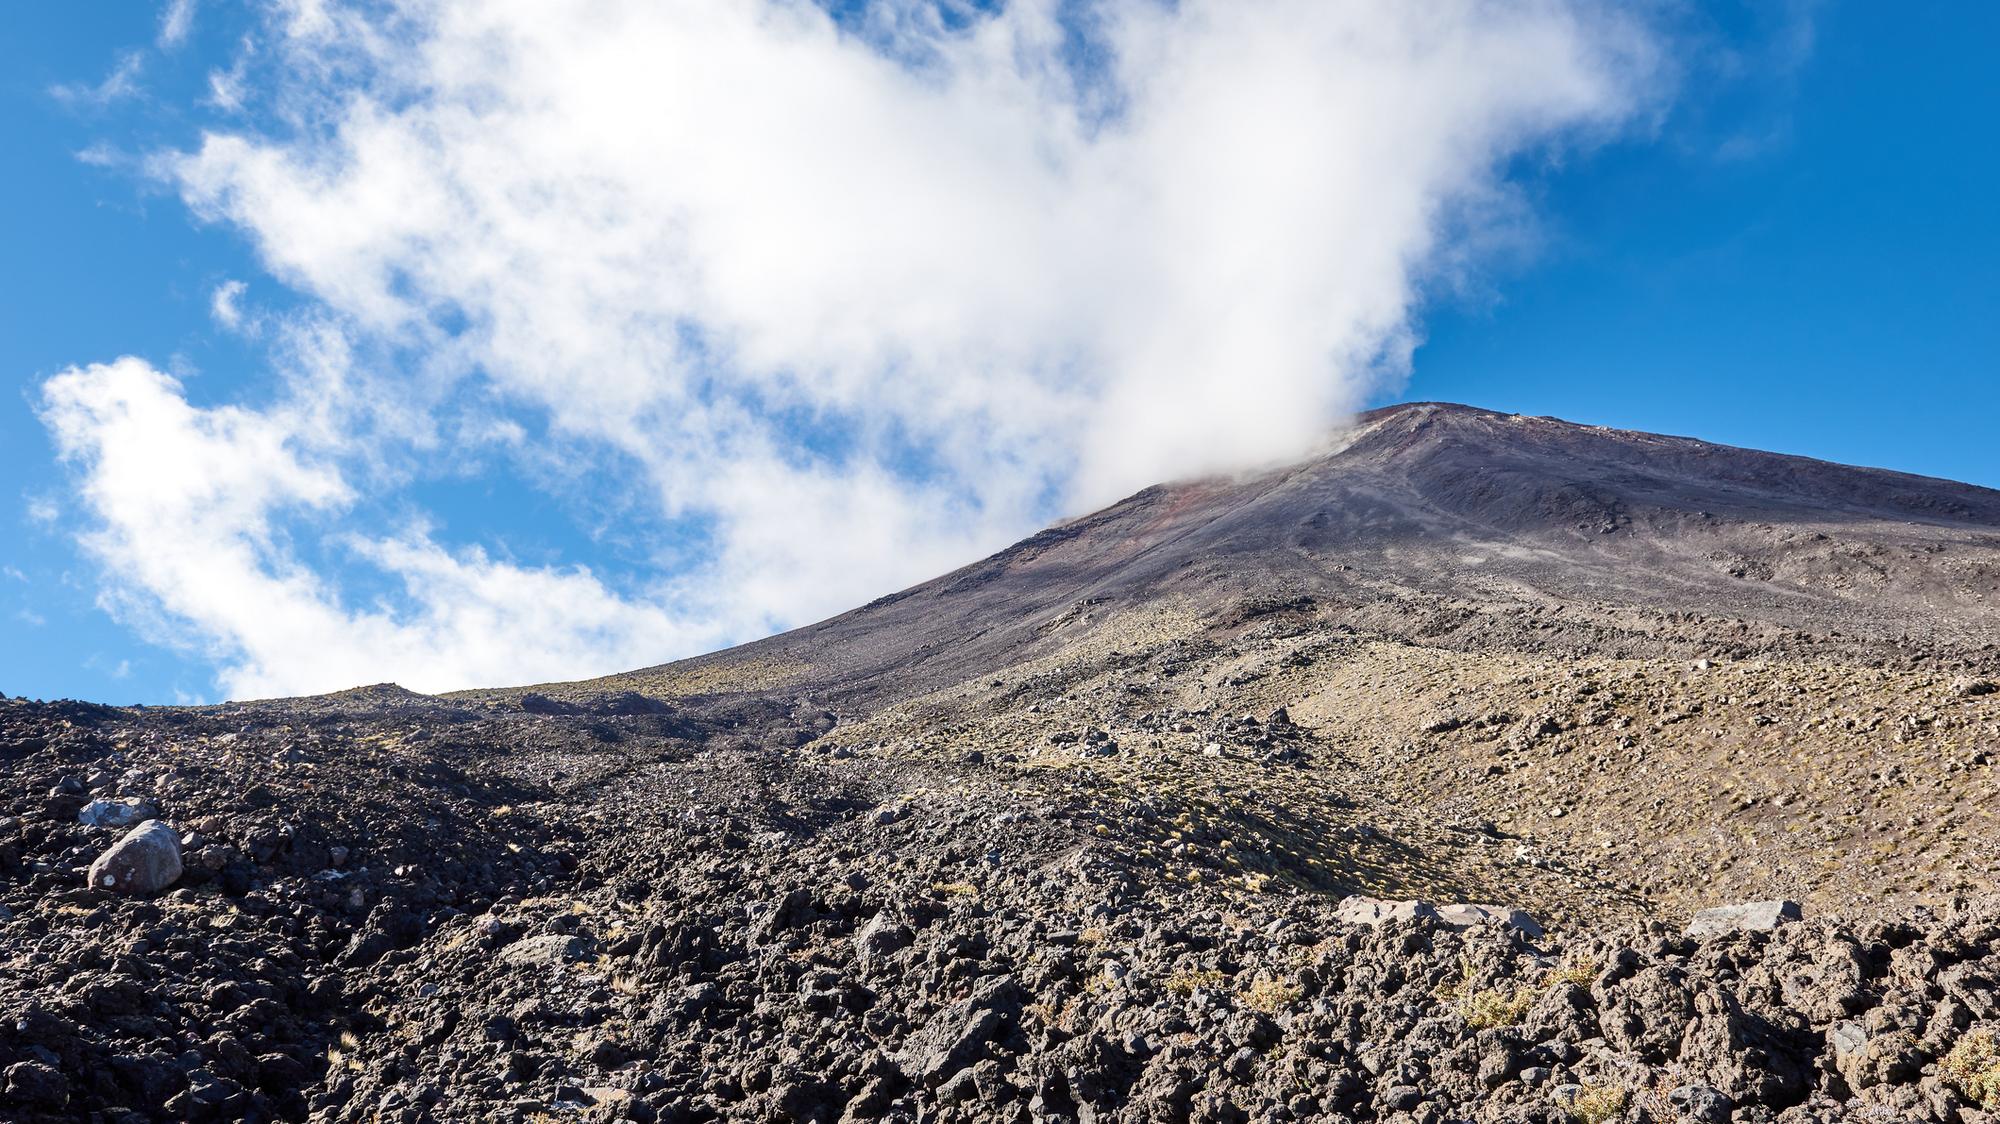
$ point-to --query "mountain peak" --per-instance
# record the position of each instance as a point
(1437, 503)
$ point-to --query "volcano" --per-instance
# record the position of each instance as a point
(1479, 767)
(1460, 527)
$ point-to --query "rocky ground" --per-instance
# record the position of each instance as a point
(395, 908)
(1166, 814)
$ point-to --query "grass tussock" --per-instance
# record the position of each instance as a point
(1579, 971)
(1597, 1104)
(1973, 1067)
(1486, 1008)
(1270, 996)
(1186, 982)
(1496, 1007)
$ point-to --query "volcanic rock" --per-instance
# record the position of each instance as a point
(1749, 917)
(115, 813)
(145, 860)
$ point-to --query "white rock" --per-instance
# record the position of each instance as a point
(1361, 910)
(1749, 917)
(116, 813)
(547, 951)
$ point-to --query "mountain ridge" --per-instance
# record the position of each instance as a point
(1534, 502)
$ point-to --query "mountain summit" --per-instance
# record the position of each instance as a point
(1465, 527)
(1329, 793)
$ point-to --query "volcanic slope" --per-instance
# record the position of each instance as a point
(1066, 835)
(1670, 669)
(1462, 528)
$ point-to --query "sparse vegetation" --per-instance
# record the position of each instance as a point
(1495, 1007)
(1270, 995)
(1486, 1008)
(1578, 970)
(1973, 1067)
(1186, 982)
(1597, 1104)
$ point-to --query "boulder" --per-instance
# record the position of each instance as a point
(1749, 917)
(1867, 1060)
(957, 1036)
(32, 1083)
(878, 939)
(549, 951)
(145, 860)
(1358, 909)
(1465, 915)
(1701, 1104)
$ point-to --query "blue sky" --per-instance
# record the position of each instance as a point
(1770, 227)
(1827, 289)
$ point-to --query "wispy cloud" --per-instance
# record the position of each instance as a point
(121, 83)
(176, 22)
(1762, 68)
(106, 666)
(225, 304)
(842, 305)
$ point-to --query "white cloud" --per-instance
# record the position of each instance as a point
(101, 156)
(860, 302)
(225, 304)
(121, 83)
(192, 505)
(175, 23)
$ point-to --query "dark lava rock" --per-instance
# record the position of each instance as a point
(36, 1085)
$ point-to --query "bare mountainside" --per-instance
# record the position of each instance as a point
(1465, 528)
(1388, 786)
(1684, 670)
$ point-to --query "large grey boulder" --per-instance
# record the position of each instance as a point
(145, 860)
(1749, 917)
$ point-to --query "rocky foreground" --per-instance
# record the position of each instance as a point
(390, 908)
